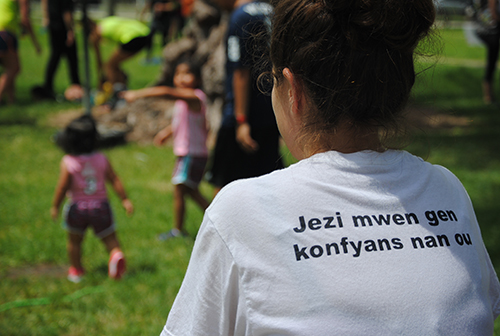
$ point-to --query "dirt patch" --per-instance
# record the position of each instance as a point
(141, 120)
(428, 118)
(60, 120)
(52, 271)
(138, 122)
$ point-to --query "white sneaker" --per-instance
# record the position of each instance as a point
(75, 275)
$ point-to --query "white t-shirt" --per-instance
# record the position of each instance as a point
(340, 244)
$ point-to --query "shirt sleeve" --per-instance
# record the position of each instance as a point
(207, 302)
(240, 31)
(203, 99)
(104, 162)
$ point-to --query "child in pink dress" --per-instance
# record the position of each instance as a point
(83, 178)
(189, 131)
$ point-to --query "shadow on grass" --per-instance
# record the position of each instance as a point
(18, 120)
(132, 270)
(490, 229)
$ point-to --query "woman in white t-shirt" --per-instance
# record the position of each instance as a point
(355, 238)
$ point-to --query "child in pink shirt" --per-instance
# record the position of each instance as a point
(189, 131)
(83, 176)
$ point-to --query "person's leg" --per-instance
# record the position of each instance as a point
(492, 47)
(111, 242)
(116, 264)
(112, 68)
(149, 45)
(198, 198)
(75, 250)
(10, 61)
(180, 191)
(71, 54)
(9, 58)
(57, 47)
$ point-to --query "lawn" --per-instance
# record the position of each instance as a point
(36, 298)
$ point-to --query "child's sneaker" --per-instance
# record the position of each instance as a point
(75, 275)
(116, 265)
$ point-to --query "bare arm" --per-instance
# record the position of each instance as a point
(163, 135)
(68, 23)
(165, 92)
(26, 23)
(117, 185)
(61, 189)
(95, 40)
(45, 12)
(492, 5)
(241, 90)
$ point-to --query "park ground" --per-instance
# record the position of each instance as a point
(454, 129)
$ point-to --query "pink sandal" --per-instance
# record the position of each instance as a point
(116, 265)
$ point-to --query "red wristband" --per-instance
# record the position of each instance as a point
(241, 119)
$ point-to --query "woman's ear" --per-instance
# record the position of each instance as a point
(295, 93)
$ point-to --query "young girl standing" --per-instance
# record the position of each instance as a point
(83, 176)
(355, 238)
(189, 131)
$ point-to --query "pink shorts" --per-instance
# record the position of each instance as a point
(78, 216)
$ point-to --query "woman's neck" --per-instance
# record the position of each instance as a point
(345, 140)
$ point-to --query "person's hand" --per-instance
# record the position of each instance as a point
(128, 95)
(244, 139)
(162, 137)
(128, 206)
(70, 38)
(54, 213)
(74, 92)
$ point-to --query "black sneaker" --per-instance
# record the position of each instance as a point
(41, 93)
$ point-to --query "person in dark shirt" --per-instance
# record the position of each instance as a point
(248, 139)
(58, 18)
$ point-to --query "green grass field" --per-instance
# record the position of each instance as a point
(36, 298)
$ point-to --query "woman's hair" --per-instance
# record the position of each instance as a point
(79, 137)
(354, 58)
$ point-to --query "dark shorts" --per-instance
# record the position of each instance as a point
(161, 23)
(96, 214)
(229, 162)
(189, 171)
(8, 41)
(135, 45)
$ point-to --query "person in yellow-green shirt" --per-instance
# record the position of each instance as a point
(14, 14)
(130, 35)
